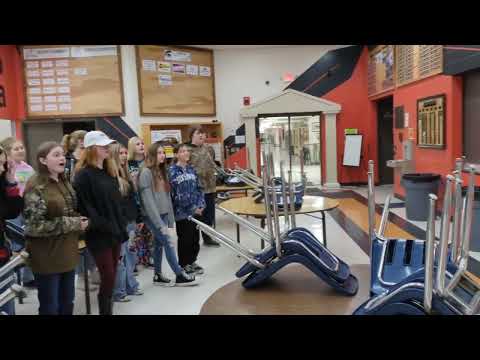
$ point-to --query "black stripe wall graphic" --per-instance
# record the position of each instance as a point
(458, 59)
(116, 128)
(330, 71)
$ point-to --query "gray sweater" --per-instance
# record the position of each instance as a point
(154, 204)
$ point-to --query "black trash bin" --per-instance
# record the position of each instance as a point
(417, 187)
(475, 240)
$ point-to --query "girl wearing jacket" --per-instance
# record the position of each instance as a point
(11, 206)
(188, 200)
(154, 192)
(100, 200)
(52, 229)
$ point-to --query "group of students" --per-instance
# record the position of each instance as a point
(94, 189)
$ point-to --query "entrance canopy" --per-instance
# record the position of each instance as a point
(295, 102)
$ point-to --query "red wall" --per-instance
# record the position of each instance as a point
(432, 160)
(357, 112)
(12, 80)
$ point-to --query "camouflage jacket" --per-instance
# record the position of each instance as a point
(52, 227)
(203, 164)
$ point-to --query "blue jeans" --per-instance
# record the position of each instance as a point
(162, 242)
(9, 307)
(125, 282)
(56, 293)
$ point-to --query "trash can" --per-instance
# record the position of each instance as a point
(475, 240)
(417, 187)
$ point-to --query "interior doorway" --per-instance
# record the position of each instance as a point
(385, 139)
(295, 139)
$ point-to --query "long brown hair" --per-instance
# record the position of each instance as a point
(122, 171)
(70, 141)
(42, 175)
(159, 171)
(89, 158)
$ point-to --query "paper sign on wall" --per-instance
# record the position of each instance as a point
(61, 63)
(205, 71)
(34, 91)
(406, 118)
(173, 55)
(36, 108)
(33, 73)
(65, 107)
(50, 99)
(47, 64)
(62, 72)
(165, 80)
(64, 90)
(46, 53)
(64, 99)
(35, 99)
(63, 81)
(80, 71)
(51, 107)
(178, 68)
(33, 82)
(49, 90)
(164, 67)
(47, 73)
(240, 139)
(93, 51)
(192, 70)
(148, 65)
(160, 135)
(49, 81)
(33, 64)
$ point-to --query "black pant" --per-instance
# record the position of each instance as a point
(188, 242)
(208, 216)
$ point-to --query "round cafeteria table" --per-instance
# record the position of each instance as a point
(311, 204)
(292, 291)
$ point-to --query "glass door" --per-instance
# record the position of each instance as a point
(296, 141)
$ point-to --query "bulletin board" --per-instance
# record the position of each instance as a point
(73, 81)
(381, 69)
(175, 81)
(353, 149)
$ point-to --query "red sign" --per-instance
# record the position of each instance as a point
(246, 100)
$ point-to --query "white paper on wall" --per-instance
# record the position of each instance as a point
(192, 70)
(47, 64)
(36, 108)
(61, 63)
(148, 65)
(63, 81)
(49, 99)
(48, 73)
(46, 53)
(165, 80)
(35, 91)
(33, 73)
(173, 55)
(64, 99)
(33, 64)
(49, 90)
(65, 107)
(63, 90)
(35, 99)
(33, 82)
(49, 81)
(51, 107)
(93, 51)
(62, 72)
(80, 71)
(205, 71)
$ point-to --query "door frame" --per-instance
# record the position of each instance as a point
(289, 116)
(377, 101)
